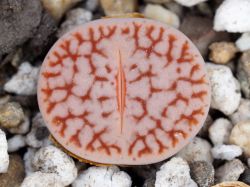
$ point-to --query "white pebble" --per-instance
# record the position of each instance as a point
(15, 143)
(226, 152)
(4, 157)
(243, 43)
(39, 179)
(174, 173)
(157, 12)
(75, 17)
(220, 130)
(230, 171)
(24, 82)
(52, 160)
(225, 88)
(197, 150)
(240, 136)
(102, 177)
(189, 3)
(242, 113)
(233, 16)
(28, 157)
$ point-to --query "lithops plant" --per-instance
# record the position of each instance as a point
(125, 91)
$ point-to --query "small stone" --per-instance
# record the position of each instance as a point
(245, 177)
(22, 128)
(24, 82)
(4, 157)
(248, 162)
(39, 179)
(230, 171)
(231, 184)
(225, 88)
(233, 16)
(202, 34)
(243, 73)
(38, 136)
(158, 1)
(11, 115)
(197, 150)
(158, 12)
(226, 152)
(202, 173)
(102, 176)
(243, 43)
(52, 160)
(15, 174)
(118, 7)
(15, 143)
(189, 3)
(57, 8)
(74, 18)
(222, 52)
(220, 130)
(18, 19)
(240, 136)
(204, 130)
(174, 173)
(28, 157)
(242, 113)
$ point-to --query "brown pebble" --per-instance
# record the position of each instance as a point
(11, 115)
(222, 52)
(15, 174)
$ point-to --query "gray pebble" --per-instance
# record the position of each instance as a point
(243, 73)
(18, 20)
(202, 173)
(74, 18)
(245, 177)
(197, 150)
(230, 171)
(15, 143)
(242, 113)
(38, 136)
(37, 45)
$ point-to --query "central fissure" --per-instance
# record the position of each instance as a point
(121, 90)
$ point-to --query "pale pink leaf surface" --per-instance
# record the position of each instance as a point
(124, 91)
